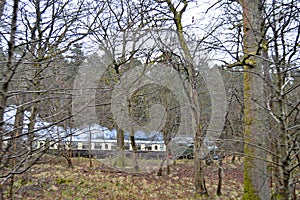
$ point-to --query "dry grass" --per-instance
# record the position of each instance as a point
(54, 181)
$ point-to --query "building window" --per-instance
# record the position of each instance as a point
(85, 146)
(161, 147)
(74, 145)
(106, 146)
(155, 147)
(98, 146)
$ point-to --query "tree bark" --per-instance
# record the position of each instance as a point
(7, 75)
(134, 149)
(220, 176)
(255, 166)
(120, 160)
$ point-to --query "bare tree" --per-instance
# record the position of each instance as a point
(250, 28)
(118, 31)
(37, 33)
(282, 46)
(269, 56)
(176, 11)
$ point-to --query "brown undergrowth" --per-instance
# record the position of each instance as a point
(54, 181)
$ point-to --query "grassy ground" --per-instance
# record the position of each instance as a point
(55, 181)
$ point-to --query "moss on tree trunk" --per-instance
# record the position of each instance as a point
(255, 166)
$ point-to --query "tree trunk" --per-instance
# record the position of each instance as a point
(220, 177)
(134, 149)
(18, 128)
(255, 166)
(167, 139)
(68, 150)
(120, 160)
(200, 188)
(32, 121)
(7, 74)
(90, 148)
(159, 172)
(284, 189)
